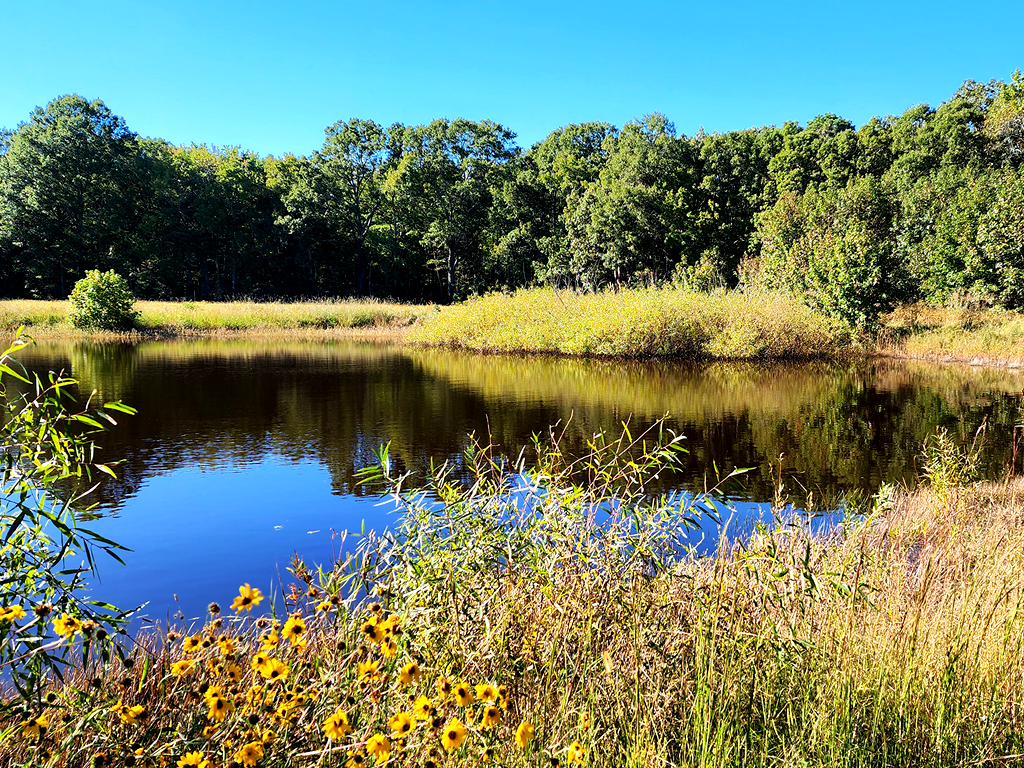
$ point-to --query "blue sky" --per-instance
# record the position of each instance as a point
(269, 76)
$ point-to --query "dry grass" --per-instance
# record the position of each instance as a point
(636, 323)
(979, 337)
(896, 641)
(46, 319)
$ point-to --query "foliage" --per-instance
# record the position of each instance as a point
(46, 468)
(102, 300)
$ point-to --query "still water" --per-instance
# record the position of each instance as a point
(244, 452)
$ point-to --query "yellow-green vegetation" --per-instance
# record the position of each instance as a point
(50, 318)
(637, 323)
(986, 337)
(525, 629)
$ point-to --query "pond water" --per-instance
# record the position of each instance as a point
(244, 452)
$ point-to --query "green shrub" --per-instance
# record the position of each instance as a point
(102, 300)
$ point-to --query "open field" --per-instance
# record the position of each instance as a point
(48, 319)
(894, 641)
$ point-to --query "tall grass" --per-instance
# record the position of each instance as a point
(894, 640)
(977, 336)
(636, 323)
(188, 317)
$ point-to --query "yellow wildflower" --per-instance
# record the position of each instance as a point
(12, 612)
(274, 670)
(34, 727)
(372, 629)
(182, 668)
(259, 659)
(194, 760)
(192, 644)
(336, 726)
(389, 647)
(524, 734)
(409, 674)
(453, 736)
(491, 717)
(575, 754)
(400, 724)
(355, 760)
(444, 687)
(247, 598)
(379, 747)
(368, 670)
(269, 641)
(294, 629)
(423, 708)
(233, 672)
(220, 708)
(66, 625)
(463, 694)
(487, 693)
(249, 754)
(226, 644)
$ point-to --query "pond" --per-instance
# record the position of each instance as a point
(244, 452)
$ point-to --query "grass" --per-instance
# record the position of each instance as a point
(171, 318)
(637, 323)
(981, 337)
(892, 641)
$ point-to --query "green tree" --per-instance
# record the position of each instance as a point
(64, 193)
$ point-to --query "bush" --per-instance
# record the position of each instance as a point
(102, 300)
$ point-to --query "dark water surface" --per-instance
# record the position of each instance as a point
(243, 452)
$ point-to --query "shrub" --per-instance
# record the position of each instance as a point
(102, 300)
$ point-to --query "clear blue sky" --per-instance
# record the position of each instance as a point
(270, 76)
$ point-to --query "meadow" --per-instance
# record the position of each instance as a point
(527, 629)
(48, 319)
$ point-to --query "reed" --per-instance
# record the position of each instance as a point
(638, 323)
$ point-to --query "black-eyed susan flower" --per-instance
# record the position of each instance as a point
(294, 629)
(219, 708)
(585, 721)
(490, 717)
(400, 724)
(423, 709)
(130, 715)
(269, 640)
(524, 734)
(388, 647)
(355, 760)
(12, 613)
(574, 755)
(66, 625)
(378, 747)
(487, 693)
(249, 754)
(409, 673)
(182, 668)
(259, 659)
(194, 760)
(247, 598)
(34, 727)
(372, 629)
(463, 694)
(392, 625)
(453, 735)
(368, 670)
(192, 644)
(503, 696)
(233, 672)
(226, 645)
(274, 670)
(337, 725)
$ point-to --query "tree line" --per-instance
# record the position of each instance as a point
(925, 205)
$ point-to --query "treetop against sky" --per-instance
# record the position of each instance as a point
(269, 76)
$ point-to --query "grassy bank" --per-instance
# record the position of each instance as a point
(47, 319)
(980, 337)
(636, 323)
(893, 642)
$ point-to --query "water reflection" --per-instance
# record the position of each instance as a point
(228, 427)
